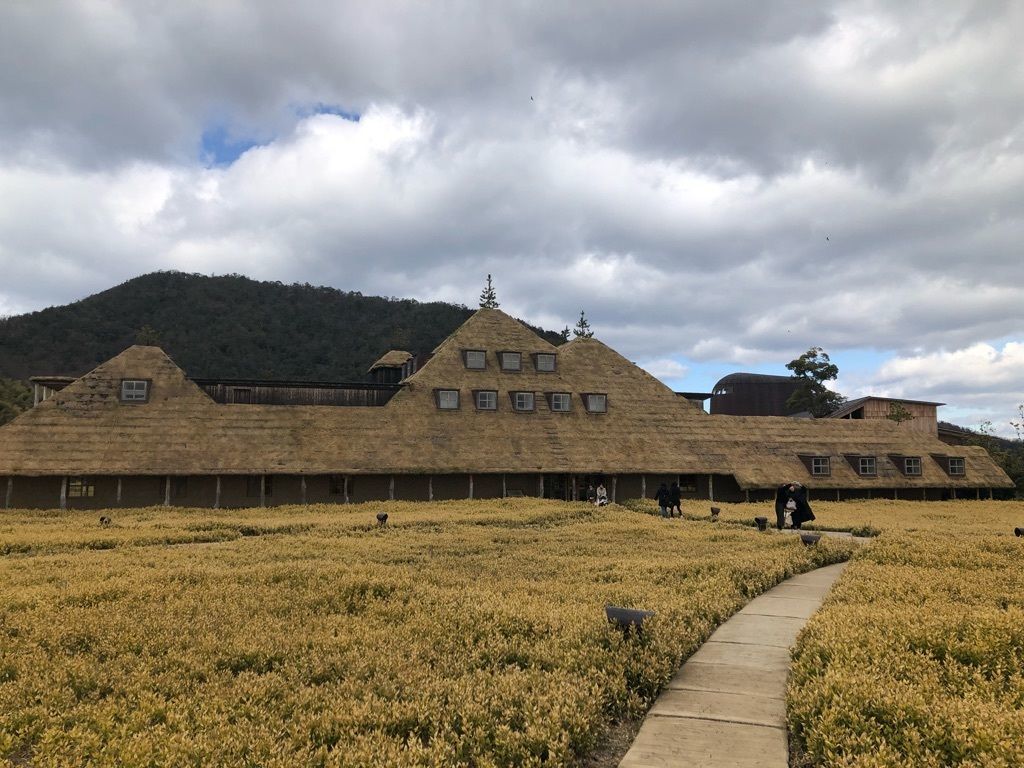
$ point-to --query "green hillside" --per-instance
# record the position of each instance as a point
(227, 326)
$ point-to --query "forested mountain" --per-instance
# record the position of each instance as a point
(227, 326)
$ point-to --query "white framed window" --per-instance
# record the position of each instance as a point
(448, 399)
(544, 362)
(487, 400)
(561, 402)
(522, 401)
(912, 465)
(821, 465)
(134, 390)
(866, 465)
(511, 361)
(957, 466)
(476, 359)
(596, 403)
(81, 488)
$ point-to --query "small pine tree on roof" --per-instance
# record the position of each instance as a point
(582, 329)
(488, 298)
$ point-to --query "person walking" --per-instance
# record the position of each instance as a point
(675, 497)
(791, 499)
(664, 499)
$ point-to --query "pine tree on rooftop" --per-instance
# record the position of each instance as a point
(488, 297)
(582, 329)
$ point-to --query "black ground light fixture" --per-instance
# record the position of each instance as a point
(1018, 532)
(762, 523)
(715, 512)
(624, 618)
(809, 539)
(382, 518)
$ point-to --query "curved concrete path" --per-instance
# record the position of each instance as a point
(726, 706)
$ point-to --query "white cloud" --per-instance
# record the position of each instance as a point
(666, 369)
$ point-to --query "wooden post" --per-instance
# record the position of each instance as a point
(167, 491)
(263, 490)
(471, 486)
(924, 494)
(504, 489)
(746, 495)
(216, 497)
(64, 492)
(119, 490)
(896, 494)
(711, 487)
(430, 488)
(977, 494)
(10, 492)
(572, 493)
(953, 493)
(615, 480)
(837, 494)
(643, 486)
(302, 487)
(540, 486)
(990, 494)
(346, 489)
(391, 488)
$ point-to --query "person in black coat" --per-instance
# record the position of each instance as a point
(675, 496)
(664, 499)
(800, 510)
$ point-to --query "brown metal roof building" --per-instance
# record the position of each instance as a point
(495, 411)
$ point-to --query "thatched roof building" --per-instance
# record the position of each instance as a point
(496, 410)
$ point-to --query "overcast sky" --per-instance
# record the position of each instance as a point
(720, 185)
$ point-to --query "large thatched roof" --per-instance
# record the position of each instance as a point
(85, 429)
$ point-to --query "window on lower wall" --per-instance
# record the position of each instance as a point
(81, 488)
(447, 399)
(486, 400)
(522, 401)
(912, 465)
(821, 465)
(866, 465)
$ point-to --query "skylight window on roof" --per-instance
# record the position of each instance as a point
(448, 399)
(523, 401)
(544, 362)
(561, 402)
(487, 400)
(821, 465)
(912, 465)
(957, 466)
(867, 465)
(476, 359)
(596, 403)
(511, 361)
(134, 390)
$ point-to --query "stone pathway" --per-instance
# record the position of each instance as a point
(726, 706)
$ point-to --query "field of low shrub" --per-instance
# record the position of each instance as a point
(917, 658)
(462, 633)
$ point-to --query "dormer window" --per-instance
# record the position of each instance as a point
(596, 403)
(560, 402)
(511, 361)
(486, 400)
(911, 465)
(522, 401)
(821, 465)
(134, 390)
(957, 466)
(544, 362)
(475, 359)
(447, 399)
(866, 465)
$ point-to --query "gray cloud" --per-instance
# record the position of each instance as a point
(713, 182)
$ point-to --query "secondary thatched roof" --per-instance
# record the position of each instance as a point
(86, 430)
(396, 358)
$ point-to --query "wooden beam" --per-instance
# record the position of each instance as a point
(540, 485)
(216, 496)
(471, 486)
(711, 487)
(263, 490)
(346, 489)
(430, 487)
(504, 489)
(837, 494)
(615, 480)
(977, 494)
(64, 492)
(119, 490)
(167, 491)
(302, 487)
(391, 488)
(643, 486)
(746, 495)
(10, 493)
